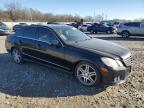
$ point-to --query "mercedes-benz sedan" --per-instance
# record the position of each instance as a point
(92, 61)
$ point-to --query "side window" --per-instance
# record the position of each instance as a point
(136, 24)
(133, 24)
(95, 25)
(46, 35)
(19, 32)
(126, 24)
(30, 32)
(142, 25)
(102, 25)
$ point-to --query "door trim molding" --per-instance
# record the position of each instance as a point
(46, 61)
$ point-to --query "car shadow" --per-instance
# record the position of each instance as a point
(33, 80)
(119, 38)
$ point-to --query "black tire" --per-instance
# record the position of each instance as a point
(95, 32)
(109, 32)
(92, 32)
(92, 77)
(125, 34)
(16, 56)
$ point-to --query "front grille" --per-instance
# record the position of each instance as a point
(128, 61)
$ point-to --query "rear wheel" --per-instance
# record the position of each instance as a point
(16, 55)
(87, 74)
(125, 34)
(109, 32)
(92, 32)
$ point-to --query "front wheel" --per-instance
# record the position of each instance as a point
(87, 74)
(109, 32)
(92, 32)
(16, 55)
(125, 34)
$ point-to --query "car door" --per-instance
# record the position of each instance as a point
(47, 51)
(27, 41)
(96, 27)
(134, 28)
(102, 28)
(84, 27)
(142, 28)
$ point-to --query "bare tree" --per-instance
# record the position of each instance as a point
(98, 18)
(89, 18)
(13, 10)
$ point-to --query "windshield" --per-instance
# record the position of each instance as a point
(71, 34)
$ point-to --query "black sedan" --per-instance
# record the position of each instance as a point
(96, 28)
(92, 61)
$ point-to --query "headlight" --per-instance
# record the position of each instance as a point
(112, 63)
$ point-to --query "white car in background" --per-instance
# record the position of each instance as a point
(130, 29)
(83, 27)
(4, 29)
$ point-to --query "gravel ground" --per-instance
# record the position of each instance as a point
(33, 86)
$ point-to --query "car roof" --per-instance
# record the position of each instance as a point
(132, 22)
(52, 26)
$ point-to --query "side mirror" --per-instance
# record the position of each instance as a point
(55, 43)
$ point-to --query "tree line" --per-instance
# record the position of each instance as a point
(15, 12)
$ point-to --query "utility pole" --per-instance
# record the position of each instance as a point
(31, 17)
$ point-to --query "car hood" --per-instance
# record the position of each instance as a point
(106, 47)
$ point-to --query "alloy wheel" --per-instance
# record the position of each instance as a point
(86, 74)
(125, 34)
(109, 32)
(16, 56)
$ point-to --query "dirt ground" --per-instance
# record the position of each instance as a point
(33, 86)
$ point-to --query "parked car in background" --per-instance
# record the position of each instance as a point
(107, 24)
(95, 28)
(83, 27)
(53, 23)
(18, 26)
(92, 61)
(4, 29)
(89, 23)
(116, 24)
(129, 29)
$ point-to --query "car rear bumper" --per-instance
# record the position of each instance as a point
(116, 76)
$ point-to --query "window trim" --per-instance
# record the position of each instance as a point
(40, 36)
(55, 34)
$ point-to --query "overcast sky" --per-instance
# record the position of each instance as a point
(124, 9)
